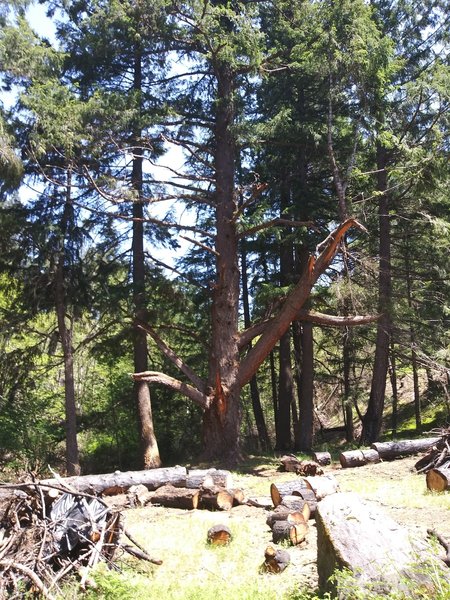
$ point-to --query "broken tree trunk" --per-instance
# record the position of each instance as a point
(119, 482)
(275, 560)
(390, 450)
(358, 458)
(438, 480)
(172, 497)
(359, 536)
(219, 535)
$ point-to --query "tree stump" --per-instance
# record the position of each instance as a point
(275, 560)
(173, 497)
(382, 555)
(438, 480)
(219, 535)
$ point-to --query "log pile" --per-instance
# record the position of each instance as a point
(44, 540)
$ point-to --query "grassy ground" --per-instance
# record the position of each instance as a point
(192, 570)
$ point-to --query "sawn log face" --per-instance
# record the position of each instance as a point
(357, 535)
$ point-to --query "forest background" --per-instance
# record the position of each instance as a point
(306, 204)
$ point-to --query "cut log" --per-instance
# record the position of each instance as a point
(292, 464)
(275, 560)
(358, 458)
(357, 535)
(216, 499)
(97, 484)
(310, 497)
(390, 450)
(138, 495)
(322, 486)
(172, 497)
(238, 496)
(219, 535)
(322, 458)
(208, 478)
(295, 533)
(281, 513)
(438, 480)
(288, 488)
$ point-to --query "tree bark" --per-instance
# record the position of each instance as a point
(149, 446)
(373, 419)
(258, 413)
(222, 419)
(65, 333)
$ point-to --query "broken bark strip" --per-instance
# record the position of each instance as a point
(390, 450)
(275, 560)
(438, 480)
(172, 497)
(295, 533)
(219, 535)
(98, 484)
(383, 556)
(358, 458)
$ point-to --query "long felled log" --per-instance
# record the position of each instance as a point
(208, 478)
(383, 556)
(358, 458)
(391, 450)
(120, 482)
(172, 497)
(438, 480)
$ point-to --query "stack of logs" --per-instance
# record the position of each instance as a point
(295, 503)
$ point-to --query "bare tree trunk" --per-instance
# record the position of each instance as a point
(393, 378)
(65, 334)
(222, 419)
(285, 395)
(258, 413)
(372, 421)
(149, 446)
(306, 393)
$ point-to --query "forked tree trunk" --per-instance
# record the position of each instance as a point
(149, 446)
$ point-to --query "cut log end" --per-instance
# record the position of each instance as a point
(438, 480)
(219, 535)
(275, 560)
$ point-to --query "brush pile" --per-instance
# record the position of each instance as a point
(44, 539)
